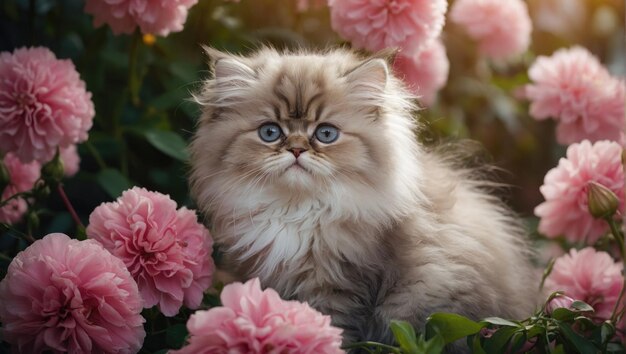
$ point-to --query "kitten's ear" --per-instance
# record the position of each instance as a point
(370, 77)
(226, 66)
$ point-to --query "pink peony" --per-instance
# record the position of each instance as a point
(259, 321)
(380, 24)
(43, 104)
(590, 276)
(71, 160)
(166, 250)
(22, 178)
(501, 28)
(573, 87)
(62, 295)
(425, 72)
(158, 17)
(565, 211)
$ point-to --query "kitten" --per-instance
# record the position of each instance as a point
(309, 169)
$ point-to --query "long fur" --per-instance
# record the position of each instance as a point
(370, 228)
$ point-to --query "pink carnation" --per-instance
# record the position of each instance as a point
(43, 104)
(425, 72)
(590, 276)
(573, 88)
(22, 178)
(380, 24)
(565, 211)
(62, 295)
(166, 250)
(259, 321)
(71, 160)
(158, 17)
(501, 28)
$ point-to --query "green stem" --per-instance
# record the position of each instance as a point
(368, 344)
(619, 237)
(96, 155)
(134, 81)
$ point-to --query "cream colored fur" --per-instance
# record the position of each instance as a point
(370, 228)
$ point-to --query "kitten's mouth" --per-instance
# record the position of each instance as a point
(296, 167)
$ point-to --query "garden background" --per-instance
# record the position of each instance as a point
(141, 87)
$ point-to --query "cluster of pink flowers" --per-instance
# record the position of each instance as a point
(574, 88)
(166, 250)
(156, 17)
(22, 178)
(62, 295)
(44, 104)
(565, 211)
(252, 320)
(501, 28)
(590, 276)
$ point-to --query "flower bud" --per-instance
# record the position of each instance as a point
(53, 170)
(5, 176)
(602, 202)
(558, 302)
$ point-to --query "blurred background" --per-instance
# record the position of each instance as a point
(144, 117)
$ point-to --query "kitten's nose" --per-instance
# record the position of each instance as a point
(297, 151)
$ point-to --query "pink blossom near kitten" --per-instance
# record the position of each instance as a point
(44, 104)
(501, 28)
(308, 169)
(590, 276)
(165, 249)
(426, 72)
(252, 320)
(22, 178)
(67, 296)
(379, 24)
(573, 88)
(156, 17)
(565, 211)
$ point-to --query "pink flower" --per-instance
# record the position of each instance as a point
(62, 295)
(158, 17)
(557, 302)
(71, 160)
(573, 88)
(43, 104)
(259, 321)
(22, 178)
(380, 24)
(501, 28)
(425, 72)
(590, 276)
(166, 250)
(565, 211)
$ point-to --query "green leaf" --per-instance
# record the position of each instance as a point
(434, 345)
(581, 344)
(175, 335)
(113, 182)
(500, 322)
(607, 330)
(405, 336)
(476, 346)
(169, 143)
(581, 306)
(451, 326)
(496, 344)
(563, 314)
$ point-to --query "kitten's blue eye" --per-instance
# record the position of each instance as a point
(326, 134)
(270, 132)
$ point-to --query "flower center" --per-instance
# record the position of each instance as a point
(24, 100)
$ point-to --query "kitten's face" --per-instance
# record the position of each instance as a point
(299, 122)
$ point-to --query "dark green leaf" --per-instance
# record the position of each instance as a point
(169, 143)
(498, 341)
(475, 345)
(405, 336)
(563, 314)
(558, 349)
(581, 344)
(607, 330)
(500, 322)
(451, 326)
(175, 335)
(113, 182)
(434, 345)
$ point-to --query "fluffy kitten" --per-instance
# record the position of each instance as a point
(308, 167)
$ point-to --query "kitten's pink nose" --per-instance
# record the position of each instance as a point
(296, 151)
